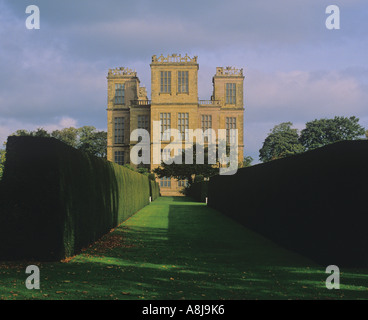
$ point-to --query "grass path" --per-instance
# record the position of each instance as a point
(178, 249)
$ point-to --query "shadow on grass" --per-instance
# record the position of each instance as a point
(178, 249)
(180, 199)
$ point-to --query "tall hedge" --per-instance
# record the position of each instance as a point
(56, 200)
(155, 189)
(198, 191)
(313, 203)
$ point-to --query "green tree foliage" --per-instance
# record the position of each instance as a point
(67, 135)
(93, 141)
(152, 176)
(185, 171)
(86, 138)
(22, 132)
(322, 132)
(198, 178)
(2, 161)
(281, 142)
(247, 162)
(40, 132)
(143, 170)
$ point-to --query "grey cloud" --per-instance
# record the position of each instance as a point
(296, 70)
(303, 95)
(135, 28)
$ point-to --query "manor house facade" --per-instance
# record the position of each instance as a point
(174, 102)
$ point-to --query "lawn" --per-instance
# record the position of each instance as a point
(178, 249)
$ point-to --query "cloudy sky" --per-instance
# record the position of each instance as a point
(295, 68)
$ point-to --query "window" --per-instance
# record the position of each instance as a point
(183, 123)
(119, 130)
(230, 93)
(165, 119)
(165, 154)
(166, 81)
(230, 124)
(182, 183)
(143, 122)
(206, 123)
(165, 182)
(119, 93)
(119, 157)
(183, 81)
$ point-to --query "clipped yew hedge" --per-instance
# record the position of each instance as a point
(56, 200)
(313, 203)
(198, 191)
(154, 189)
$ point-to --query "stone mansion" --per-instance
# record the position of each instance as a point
(174, 102)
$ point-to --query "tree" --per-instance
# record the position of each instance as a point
(247, 162)
(318, 133)
(366, 134)
(21, 132)
(186, 171)
(143, 170)
(67, 135)
(281, 142)
(40, 132)
(86, 138)
(2, 162)
(93, 141)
